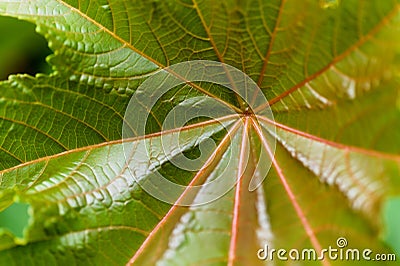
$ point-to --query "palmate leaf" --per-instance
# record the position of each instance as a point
(330, 73)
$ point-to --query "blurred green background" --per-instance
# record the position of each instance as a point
(391, 218)
(22, 50)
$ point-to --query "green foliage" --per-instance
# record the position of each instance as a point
(328, 68)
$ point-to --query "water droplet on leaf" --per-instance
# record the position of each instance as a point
(107, 87)
(73, 78)
(329, 3)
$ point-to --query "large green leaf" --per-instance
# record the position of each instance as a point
(329, 70)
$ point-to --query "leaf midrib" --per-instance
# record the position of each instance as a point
(290, 194)
(176, 208)
(159, 64)
(388, 156)
(363, 39)
(120, 141)
(270, 44)
(237, 198)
